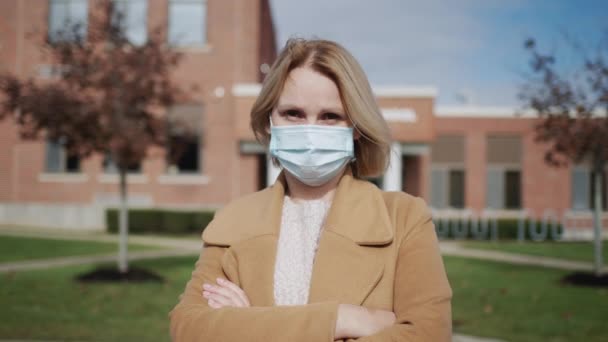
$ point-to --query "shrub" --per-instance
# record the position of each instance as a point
(507, 229)
(161, 221)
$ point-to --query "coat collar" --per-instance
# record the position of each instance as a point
(358, 212)
(357, 218)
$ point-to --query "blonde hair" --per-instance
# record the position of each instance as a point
(336, 63)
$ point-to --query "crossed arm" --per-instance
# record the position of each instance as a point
(421, 302)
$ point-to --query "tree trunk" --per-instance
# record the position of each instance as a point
(597, 219)
(123, 262)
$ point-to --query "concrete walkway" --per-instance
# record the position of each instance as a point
(172, 247)
(189, 246)
(88, 259)
(465, 338)
(453, 248)
(193, 243)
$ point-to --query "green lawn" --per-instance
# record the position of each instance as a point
(580, 251)
(50, 305)
(514, 303)
(16, 248)
(522, 303)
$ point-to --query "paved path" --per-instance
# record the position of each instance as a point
(174, 247)
(455, 249)
(193, 243)
(187, 246)
(465, 338)
(88, 259)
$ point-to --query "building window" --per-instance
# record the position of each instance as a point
(110, 167)
(456, 188)
(67, 20)
(58, 160)
(503, 177)
(184, 150)
(134, 14)
(513, 189)
(583, 189)
(503, 188)
(447, 187)
(187, 22)
(447, 172)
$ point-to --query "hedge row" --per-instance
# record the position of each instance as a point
(163, 221)
(506, 229)
(167, 221)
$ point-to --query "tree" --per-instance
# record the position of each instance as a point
(108, 96)
(572, 107)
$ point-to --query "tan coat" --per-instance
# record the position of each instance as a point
(377, 249)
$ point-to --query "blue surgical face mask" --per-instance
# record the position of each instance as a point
(314, 154)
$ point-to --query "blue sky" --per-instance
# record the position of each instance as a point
(462, 47)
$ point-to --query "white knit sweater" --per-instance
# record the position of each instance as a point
(301, 225)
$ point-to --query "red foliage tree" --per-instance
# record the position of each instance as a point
(107, 96)
(573, 107)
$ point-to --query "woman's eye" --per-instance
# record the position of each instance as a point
(292, 113)
(331, 116)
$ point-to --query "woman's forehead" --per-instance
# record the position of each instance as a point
(305, 86)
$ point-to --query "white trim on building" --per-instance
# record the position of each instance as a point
(407, 115)
(246, 89)
(483, 112)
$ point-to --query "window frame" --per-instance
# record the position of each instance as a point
(63, 159)
(503, 169)
(204, 25)
(51, 34)
(200, 109)
(145, 16)
(446, 169)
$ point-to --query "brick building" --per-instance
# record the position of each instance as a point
(456, 157)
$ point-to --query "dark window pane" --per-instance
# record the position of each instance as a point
(457, 188)
(592, 191)
(185, 132)
(72, 164)
(513, 189)
(184, 154)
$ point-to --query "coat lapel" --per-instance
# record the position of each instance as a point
(348, 263)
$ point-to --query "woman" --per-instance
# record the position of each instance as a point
(321, 255)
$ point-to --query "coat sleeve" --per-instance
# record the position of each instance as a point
(422, 293)
(193, 320)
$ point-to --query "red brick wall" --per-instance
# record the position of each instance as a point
(231, 56)
(542, 186)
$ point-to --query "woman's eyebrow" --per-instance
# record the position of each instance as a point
(283, 107)
(336, 110)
